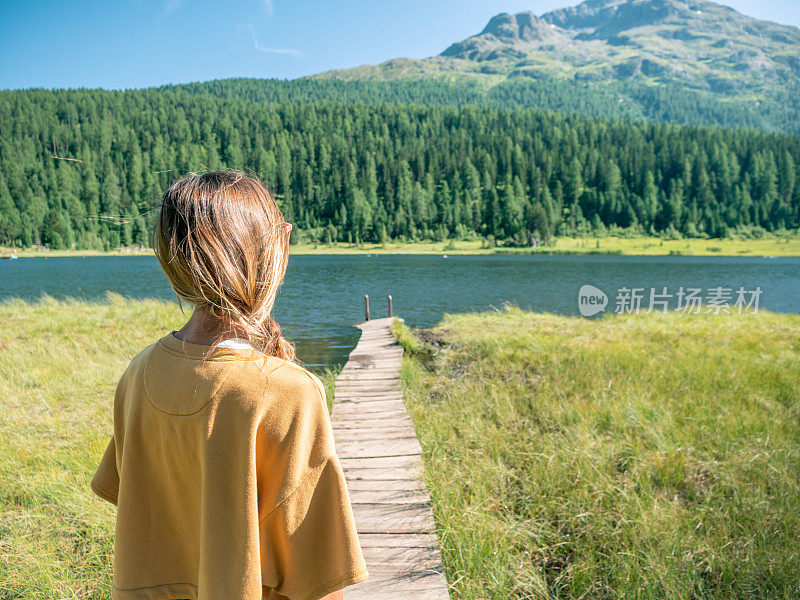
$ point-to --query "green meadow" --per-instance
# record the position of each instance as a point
(644, 456)
(769, 245)
(59, 366)
(638, 456)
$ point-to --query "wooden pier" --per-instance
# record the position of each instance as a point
(380, 455)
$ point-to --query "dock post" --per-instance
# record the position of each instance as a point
(366, 307)
(390, 305)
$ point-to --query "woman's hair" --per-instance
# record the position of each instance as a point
(223, 243)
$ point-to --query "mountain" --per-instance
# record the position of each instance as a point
(623, 48)
(695, 43)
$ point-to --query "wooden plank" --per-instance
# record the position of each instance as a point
(346, 399)
(387, 374)
(367, 392)
(411, 485)
(361, 434)
(380, 463)
(381, 474)
(366, 473)
(369, 437)
(368, 365)
(357, 432)
(355, 400)
(358, 410)
(361, 377)
(350, 398)
(369, 373)
(385, 418)
(369, 421)
(411, 569)
(381, 459)
(406, 558)
(381, 418)
(340, 428)
(398, 540)
(366, 438)
(385, 400)
(367, 358)
(376, 406)
(375, 448)
(382, 410)
(373, 592)
(393, 518)
(384, 496)
(398, 586)
(374, 419)
(364, 376)
(364, 385)
(353, 369)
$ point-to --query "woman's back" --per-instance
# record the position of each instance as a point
(222, 462)
(230, 481)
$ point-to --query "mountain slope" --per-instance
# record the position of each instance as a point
(647, 54)
(696, 44)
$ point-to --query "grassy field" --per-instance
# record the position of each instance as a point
(59, 365)
(788, 246)
(645, 456)
(771, 246)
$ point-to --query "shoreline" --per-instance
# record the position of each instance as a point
(609, 246)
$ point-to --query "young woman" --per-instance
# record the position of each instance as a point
(222, 462)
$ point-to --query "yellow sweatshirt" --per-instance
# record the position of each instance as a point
(227, 485)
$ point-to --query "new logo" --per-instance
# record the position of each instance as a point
(591, 300)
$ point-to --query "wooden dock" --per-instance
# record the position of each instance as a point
(380, 455)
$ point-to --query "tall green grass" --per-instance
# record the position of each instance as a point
(644, 456)
(59, 366)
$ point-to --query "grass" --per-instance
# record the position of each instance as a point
(767, 246)
(638, 456)
(59, 365)
(651, 246)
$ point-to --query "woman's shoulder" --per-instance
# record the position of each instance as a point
(136, 363)
(275, 379)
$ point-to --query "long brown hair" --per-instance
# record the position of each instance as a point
(224, 245)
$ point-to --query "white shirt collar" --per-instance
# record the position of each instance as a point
(236, 343)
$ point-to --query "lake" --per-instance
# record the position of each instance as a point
(323, 294)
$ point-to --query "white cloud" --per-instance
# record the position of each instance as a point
(287, 51)
(269, 6)
(171, 6)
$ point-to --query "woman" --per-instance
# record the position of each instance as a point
(222, 462)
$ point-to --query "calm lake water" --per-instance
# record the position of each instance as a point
(323, 294)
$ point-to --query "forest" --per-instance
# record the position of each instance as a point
(777, 111)
(86, 169)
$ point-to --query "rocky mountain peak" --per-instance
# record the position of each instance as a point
(612, 16)
(524, 26)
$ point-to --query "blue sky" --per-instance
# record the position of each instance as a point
(118, 44)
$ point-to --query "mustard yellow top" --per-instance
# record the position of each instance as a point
(227, 485)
